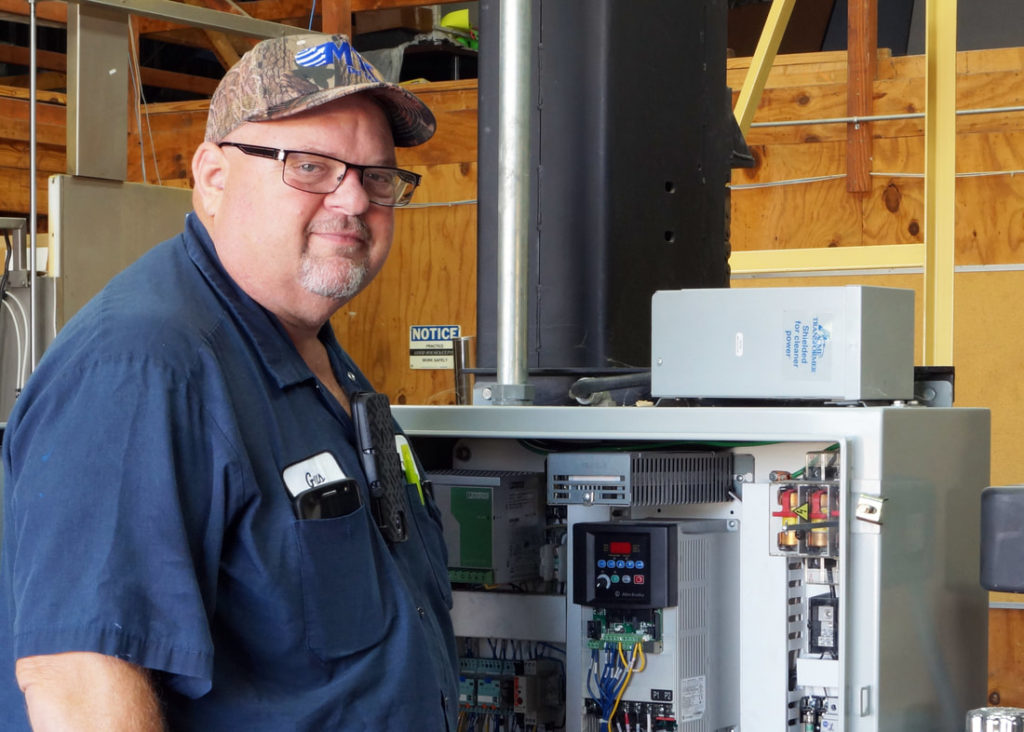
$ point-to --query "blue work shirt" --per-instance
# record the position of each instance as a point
(146, 517)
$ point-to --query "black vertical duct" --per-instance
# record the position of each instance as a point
(631, 139)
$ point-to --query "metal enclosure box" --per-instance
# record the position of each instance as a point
(906, 648)
(1002, 540)
(493, 524)
(832, 343)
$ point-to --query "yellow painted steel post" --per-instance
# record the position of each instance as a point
(939, 181)
(761, 63)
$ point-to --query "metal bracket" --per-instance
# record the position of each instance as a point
(869, 509)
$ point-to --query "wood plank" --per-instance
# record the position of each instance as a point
(420, 20)
(220, 42)
(985, 90)
(336, 17)
(152, 77)
(862, 51)
(49, 159)
(990, 225)
(429, 279)
(55, 12)
(275, 10)
(16, 92)
(196, 38)
(14, 191)
(45, 80)
(360, 5)
(1005, 647)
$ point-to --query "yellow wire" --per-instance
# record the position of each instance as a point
(629, 674)
(622, 657)
(643, 658)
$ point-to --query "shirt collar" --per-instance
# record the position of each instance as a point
(268, 336)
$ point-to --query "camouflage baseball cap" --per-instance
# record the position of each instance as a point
(283, 76)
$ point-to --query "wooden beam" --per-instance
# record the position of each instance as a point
(219, 41)
(45, 81)
(52, 11)
(151, 77)
(862, 51)
(358, 6)
(196, 38)
(276, 10)
(939, 181)
(336, 17)
(20, 56)
(761, 63)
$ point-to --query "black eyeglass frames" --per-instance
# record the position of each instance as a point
(316, 173)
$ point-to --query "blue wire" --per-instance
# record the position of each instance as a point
(552, 647)
(311, 12)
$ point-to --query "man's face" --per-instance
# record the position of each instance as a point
(302, 255)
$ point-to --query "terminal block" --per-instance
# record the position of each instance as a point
(610, 628)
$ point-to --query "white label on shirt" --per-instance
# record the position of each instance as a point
(311, 472)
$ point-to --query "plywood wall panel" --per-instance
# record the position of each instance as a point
(429, 279)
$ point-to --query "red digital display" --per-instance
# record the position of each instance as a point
(620, 547)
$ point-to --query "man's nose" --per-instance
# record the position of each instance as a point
(350, 196)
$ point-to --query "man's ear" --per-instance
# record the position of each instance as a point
(210, 170)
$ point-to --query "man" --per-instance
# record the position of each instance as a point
(156, 571)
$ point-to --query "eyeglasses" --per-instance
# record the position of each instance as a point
(314, 173)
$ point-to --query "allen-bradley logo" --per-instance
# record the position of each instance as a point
(332, 52)
(315, 479)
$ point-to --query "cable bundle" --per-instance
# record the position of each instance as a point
(612, 679)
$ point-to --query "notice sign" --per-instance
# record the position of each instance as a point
(430, 346)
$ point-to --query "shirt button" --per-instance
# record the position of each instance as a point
(422, 612)
(351, 376)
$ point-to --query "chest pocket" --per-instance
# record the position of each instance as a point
(347, 584)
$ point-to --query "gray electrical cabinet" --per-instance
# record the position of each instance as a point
(835, 587)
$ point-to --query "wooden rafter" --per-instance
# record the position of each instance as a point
(221, 42)
(53, 61)
(862, 52)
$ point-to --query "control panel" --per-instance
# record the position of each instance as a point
(624, 565)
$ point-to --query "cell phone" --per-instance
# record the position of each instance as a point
(375, 432)
(330, 500)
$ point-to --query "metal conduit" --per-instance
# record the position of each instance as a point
(880, 117)
(33, 228)
(516, 43)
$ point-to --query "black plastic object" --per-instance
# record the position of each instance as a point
(331, 500)
(375, 431)
(1002, 538)
(623, 565)
(823, 624)
(631, 143)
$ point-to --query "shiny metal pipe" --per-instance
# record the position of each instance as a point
(463, 359)
(516, 43)
(33, 228)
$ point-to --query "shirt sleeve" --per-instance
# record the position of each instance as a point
(117, 502)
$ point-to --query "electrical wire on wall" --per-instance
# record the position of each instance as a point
(138, 103)
(22, 350)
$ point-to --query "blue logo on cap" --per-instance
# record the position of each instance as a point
(328, 53)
